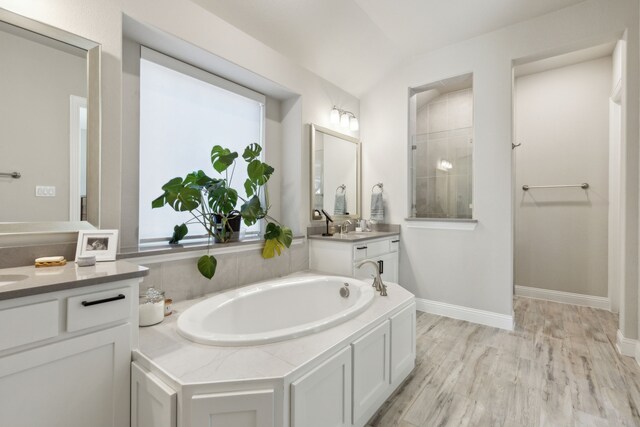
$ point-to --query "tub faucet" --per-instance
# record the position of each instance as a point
(377, 281)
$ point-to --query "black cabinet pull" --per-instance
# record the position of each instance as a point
(381, 266)
(395, 241)
(361, 247)
(102, 301)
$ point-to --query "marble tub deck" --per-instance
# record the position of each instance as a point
(559, 367)
(183, 362)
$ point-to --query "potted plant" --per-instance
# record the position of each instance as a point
(213, 203)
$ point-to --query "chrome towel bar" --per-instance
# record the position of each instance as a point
(15, 175)
(584, 186)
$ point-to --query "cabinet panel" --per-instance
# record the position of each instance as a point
(237, 409)
(153, 403)
(322, 398)
(370, 373)
(28, 323)
(403, 344)
(78, 382)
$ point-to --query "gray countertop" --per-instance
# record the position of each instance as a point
(50, 279)
(353, 236)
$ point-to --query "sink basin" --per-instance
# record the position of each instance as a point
(7, 279)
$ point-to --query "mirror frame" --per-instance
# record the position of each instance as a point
(94, 116)
(312, 156)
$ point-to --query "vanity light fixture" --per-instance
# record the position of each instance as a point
(345, 118)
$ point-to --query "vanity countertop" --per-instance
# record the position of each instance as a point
(353, 236)
(50, 279)
(181, 362)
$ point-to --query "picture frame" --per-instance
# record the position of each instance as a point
(102, 244)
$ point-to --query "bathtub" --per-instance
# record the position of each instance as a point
(274, 311)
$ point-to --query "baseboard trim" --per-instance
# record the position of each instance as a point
(626, 346)
(483, 317)
(564, 297)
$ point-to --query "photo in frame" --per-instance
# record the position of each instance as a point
(102, 244)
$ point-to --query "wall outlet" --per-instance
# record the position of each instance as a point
(45, 191)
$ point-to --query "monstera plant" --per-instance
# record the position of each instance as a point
(213, 203)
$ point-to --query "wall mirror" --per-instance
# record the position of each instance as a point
(335, 174)
(49, 127)
(441, 146)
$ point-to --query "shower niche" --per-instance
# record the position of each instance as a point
(441, 147)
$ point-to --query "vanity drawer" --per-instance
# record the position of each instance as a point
(97, 308)
(394, 243)
(360, 251)
(377, 248)
(28, 323)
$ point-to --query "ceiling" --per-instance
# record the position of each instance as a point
(354, 43)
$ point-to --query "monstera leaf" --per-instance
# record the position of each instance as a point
(222, 158)
(276, 239)
(179, 231)
(207, 265)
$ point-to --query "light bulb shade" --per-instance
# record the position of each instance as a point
(353, 124)
(344, 120)
(335, 115)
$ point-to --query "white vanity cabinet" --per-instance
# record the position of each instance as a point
(65, 356)
(341, 256)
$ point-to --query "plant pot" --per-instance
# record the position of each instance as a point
(231, 232)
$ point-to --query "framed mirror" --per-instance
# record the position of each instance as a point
(49, 127)
(335, 174)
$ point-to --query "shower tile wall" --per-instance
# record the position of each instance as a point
(444, 131)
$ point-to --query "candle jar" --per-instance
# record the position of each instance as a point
(151, 307)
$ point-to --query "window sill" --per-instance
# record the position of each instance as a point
(162, 252)
(442, 223)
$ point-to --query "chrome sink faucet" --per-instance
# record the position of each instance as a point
(344, 228)
(377, 281)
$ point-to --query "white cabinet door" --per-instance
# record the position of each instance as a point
(235, 409)
(153, 403)
(370, 373)
(322, 398)
(79, 382)
(403, 344)
(389, 267)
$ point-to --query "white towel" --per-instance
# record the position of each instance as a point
(340, 205)
(377, 207)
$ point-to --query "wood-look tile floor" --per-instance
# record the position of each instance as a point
(559, 367)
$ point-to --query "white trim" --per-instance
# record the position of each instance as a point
(483, 317)
(626, 346)
(75, 162)
(563, 297)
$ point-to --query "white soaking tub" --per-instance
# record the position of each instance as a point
(274, 311)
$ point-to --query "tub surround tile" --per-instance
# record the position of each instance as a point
(181, 280)
(253, 268)
(186, 362)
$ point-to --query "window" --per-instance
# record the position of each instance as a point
(184, 112)
(441, 142)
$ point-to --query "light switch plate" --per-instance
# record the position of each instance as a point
(45, 191)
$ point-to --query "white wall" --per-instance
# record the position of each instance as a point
(36, 85)
(474, 268)
(562, 121)
(101, 21)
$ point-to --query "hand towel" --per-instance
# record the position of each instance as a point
(377, 207)
(340, 205)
